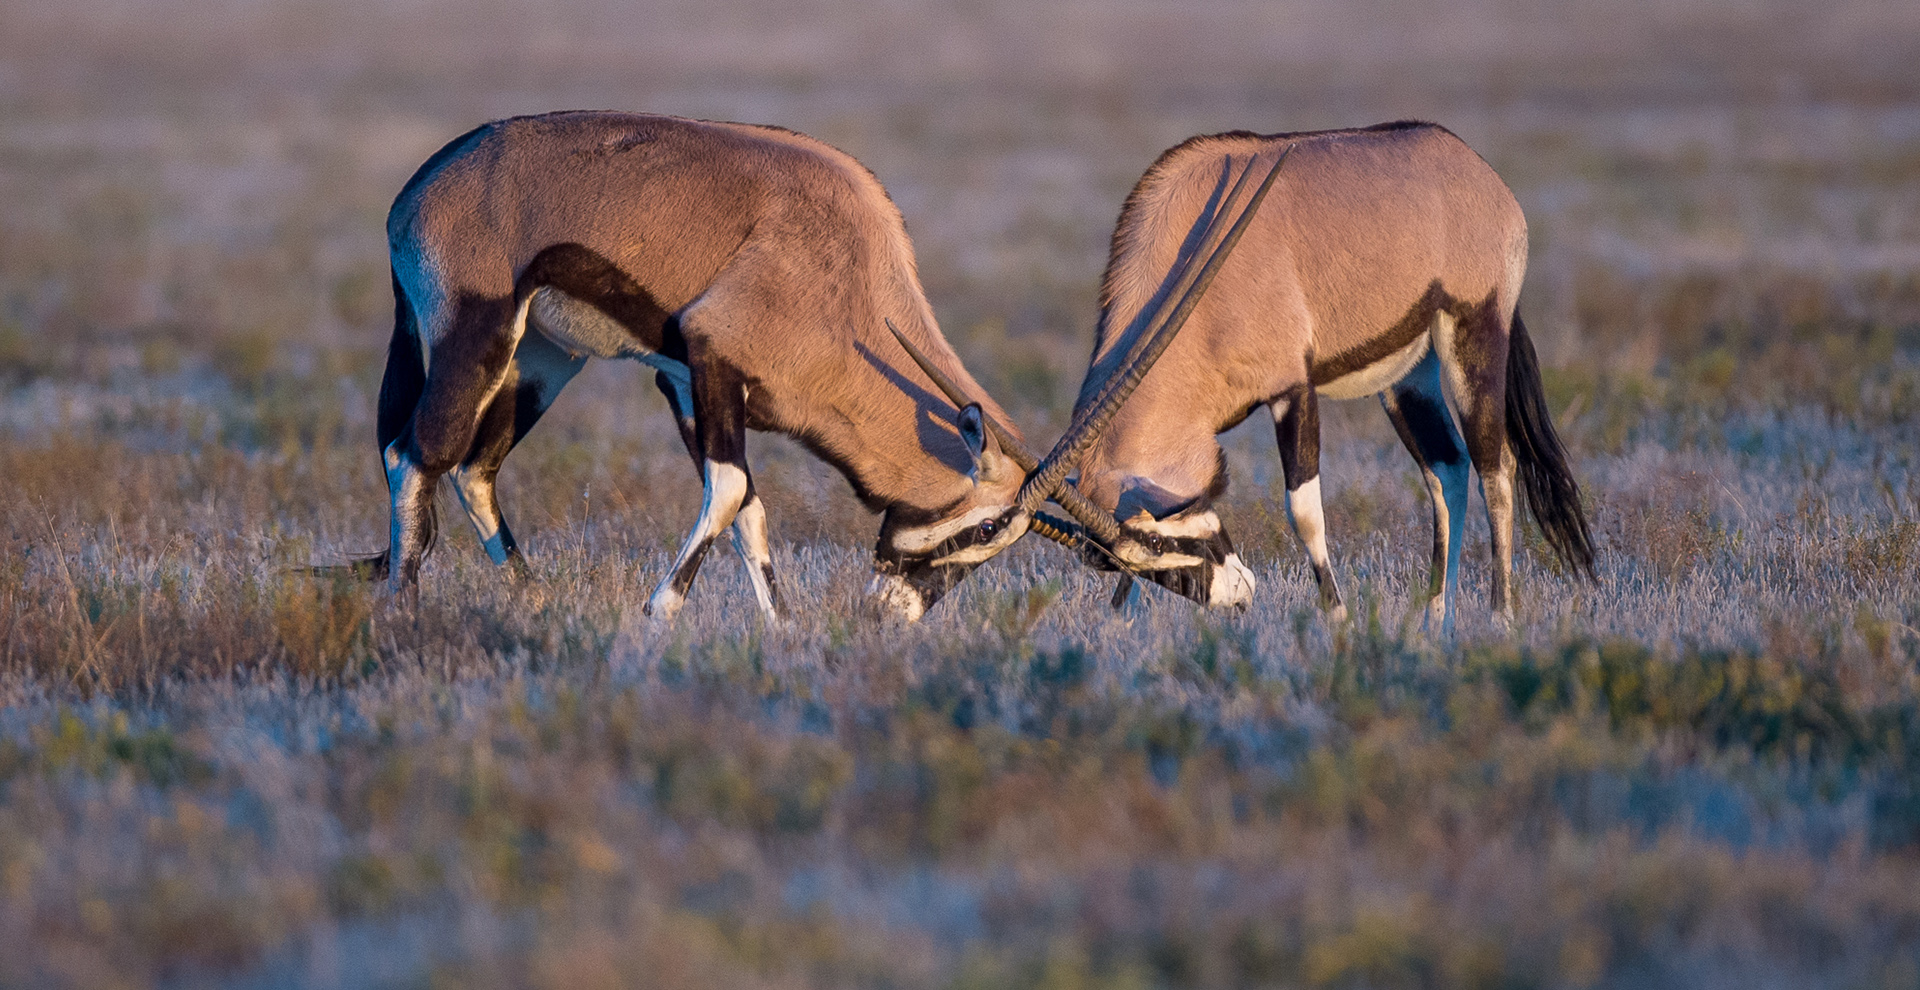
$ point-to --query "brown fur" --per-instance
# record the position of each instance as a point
(1367, 235)
(815, 255)
(765, 260)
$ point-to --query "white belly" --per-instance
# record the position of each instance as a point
(583, 330)
(1380, 375)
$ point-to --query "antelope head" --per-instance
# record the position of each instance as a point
(922, 555)
(1185, 550)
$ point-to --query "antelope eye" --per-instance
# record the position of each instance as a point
(988, 527)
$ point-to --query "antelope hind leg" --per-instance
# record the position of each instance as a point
(1417, 407)
(1473, 349)
(539, 371)
(471, 360)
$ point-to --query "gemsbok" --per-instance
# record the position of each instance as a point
(751, 267)
(1388, 262)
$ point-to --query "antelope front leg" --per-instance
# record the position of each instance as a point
(726, 490)
(750, 522)
(1296, 425)
(750, 541)
(720, 428)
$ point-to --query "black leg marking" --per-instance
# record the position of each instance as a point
(720, 428)
(1297, 430)
(750, 524)
(469, 364)
(1417, 408)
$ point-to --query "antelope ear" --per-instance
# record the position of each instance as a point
(973, 432)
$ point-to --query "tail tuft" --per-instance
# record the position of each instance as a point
(1545, 475)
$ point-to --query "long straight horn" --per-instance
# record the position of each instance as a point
(1187, 271)
(1099, 523)
(1013, 447)
(1047, 477)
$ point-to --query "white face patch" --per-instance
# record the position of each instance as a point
(896, 597)
(1192, 526)
(920, 539)
(1233, 584)
(1141, 558)
(1379, 375)
(984, 551)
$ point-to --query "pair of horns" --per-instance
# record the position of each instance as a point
(1070, 498)
(1046, 478)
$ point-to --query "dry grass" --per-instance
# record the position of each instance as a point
(1698, 773)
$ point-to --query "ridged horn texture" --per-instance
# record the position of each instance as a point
(1045, 480)
(1099, 523)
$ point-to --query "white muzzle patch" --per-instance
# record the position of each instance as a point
(1232, 584)
(896, 597)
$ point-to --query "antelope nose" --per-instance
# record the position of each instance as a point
(1232, 584)
(892, 596)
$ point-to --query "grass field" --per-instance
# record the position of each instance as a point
(1703, 771)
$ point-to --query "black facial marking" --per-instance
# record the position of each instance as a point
(1194, 583)
(931, 580)
(972, 536)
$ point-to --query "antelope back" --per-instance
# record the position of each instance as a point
(1365, 233)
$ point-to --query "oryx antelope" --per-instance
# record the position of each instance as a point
(1387, 261)
(753, 268)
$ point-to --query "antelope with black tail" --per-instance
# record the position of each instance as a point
(1388, 262)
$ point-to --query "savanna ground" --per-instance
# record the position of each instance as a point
(1699, 772)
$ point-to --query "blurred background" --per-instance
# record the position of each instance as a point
(1724, 195)
(193, 180)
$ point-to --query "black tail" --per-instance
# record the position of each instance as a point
(1545, 475)
(400, 390)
